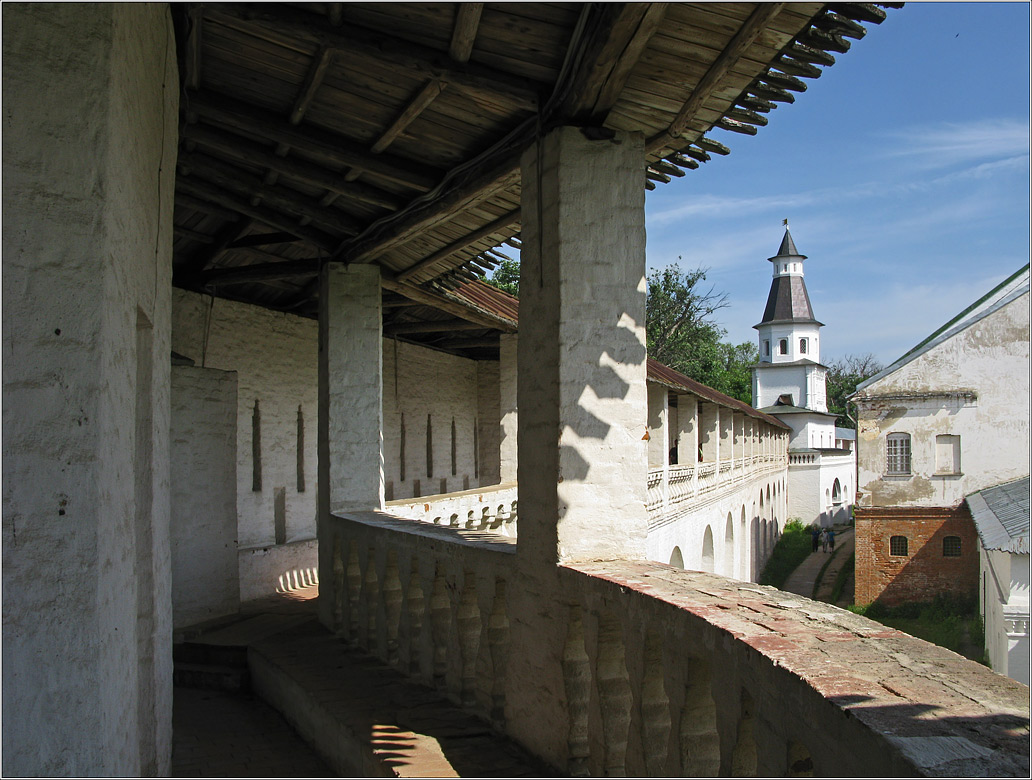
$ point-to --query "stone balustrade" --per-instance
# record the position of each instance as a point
(492, 508)
(644, 669)
(671, 488)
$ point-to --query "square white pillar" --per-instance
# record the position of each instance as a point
(687, 430)
(581, 385)
(350, 389)
(659, 414)
(508, 451)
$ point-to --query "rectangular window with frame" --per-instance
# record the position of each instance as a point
(947, 454)
(897, 454)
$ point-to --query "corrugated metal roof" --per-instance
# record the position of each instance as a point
(1001, 516)
(489, 298)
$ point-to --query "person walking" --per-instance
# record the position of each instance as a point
(824, 540)
(831, 539)
(815, 534)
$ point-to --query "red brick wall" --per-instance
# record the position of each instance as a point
(924, 572)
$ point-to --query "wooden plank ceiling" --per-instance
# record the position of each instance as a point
(391, 132)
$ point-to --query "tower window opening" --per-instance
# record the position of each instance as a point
(783, 347)
(766, 347)
(802, 346)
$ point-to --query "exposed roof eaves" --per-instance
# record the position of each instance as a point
(664, 375)
(1019, 284)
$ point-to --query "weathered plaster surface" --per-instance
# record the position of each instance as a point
(88, 180)
(989, 359)
(205, 582)
(275, 358)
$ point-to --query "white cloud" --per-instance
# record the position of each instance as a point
(958, 143)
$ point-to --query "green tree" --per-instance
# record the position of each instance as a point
(506, 277)
(844, 374)
(682, 333)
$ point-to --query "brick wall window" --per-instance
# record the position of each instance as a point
(951, 546)
(898, 545)
(897, 453)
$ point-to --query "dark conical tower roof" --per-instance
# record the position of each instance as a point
(787, 248)
(788, 300)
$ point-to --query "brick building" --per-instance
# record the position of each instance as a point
(945, 420)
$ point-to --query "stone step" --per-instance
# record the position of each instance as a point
(210, 677)
(365, 719)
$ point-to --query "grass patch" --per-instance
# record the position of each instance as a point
(791, 550)
(949, 622)
(842, 577)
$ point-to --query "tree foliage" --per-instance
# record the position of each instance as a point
(680, 328)
(844, 374)
(506, 277)
(681, 332)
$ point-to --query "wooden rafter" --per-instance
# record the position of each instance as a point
(229, 202)
(249, 120)
(203, 257)
(710, 81)
(618, 38)
(457, 246)
(467, 19)
(249, 152)
(260, 272)
(282, 24)
(232, 179)
(263, 239)
(448, 305)
(430, 326)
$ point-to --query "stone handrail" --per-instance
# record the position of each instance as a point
(492, 508)
(670, 488)
(638, 668)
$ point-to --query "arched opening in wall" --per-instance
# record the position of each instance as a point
(676, 559)
(743, 759)
(761, 500)
(836, 492)
(700, 742)
(783, 347)
(800, 763)
(728, 567)
(827, 499)
(707, 550)
(754, 545)
(743, 548)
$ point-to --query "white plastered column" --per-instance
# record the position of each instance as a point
(581, 384)
(507, 451)
(687, 430)
(350, 402)
(583, 462)
(659, 415)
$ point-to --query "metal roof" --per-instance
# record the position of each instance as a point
(787, 248)
(1001, 515)
(787, 301)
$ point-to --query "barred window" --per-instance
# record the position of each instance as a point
(783, 347)
(802, 346)
(898, 453)
(951, 547)
(898, 545)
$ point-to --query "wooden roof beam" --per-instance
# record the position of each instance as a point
(206, 255)
(263, 239)
(457, 246)
(467, 19)
(282, 24)
(247, 119)
(430, 326)
(461, 310)
(187, 200)
(261, 272)
(491, 175)
(757, 22)
(229, 177)
(251, 152)
(206, 191)
(620, 34)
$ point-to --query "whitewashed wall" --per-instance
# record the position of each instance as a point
(423, 384)
(274, 356)
(990, 358)
(205, 583)
(89, 140)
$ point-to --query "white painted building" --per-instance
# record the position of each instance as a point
(946, 420)
(789, 383)
(1001, 516)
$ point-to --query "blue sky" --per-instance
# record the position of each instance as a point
(903, 172)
